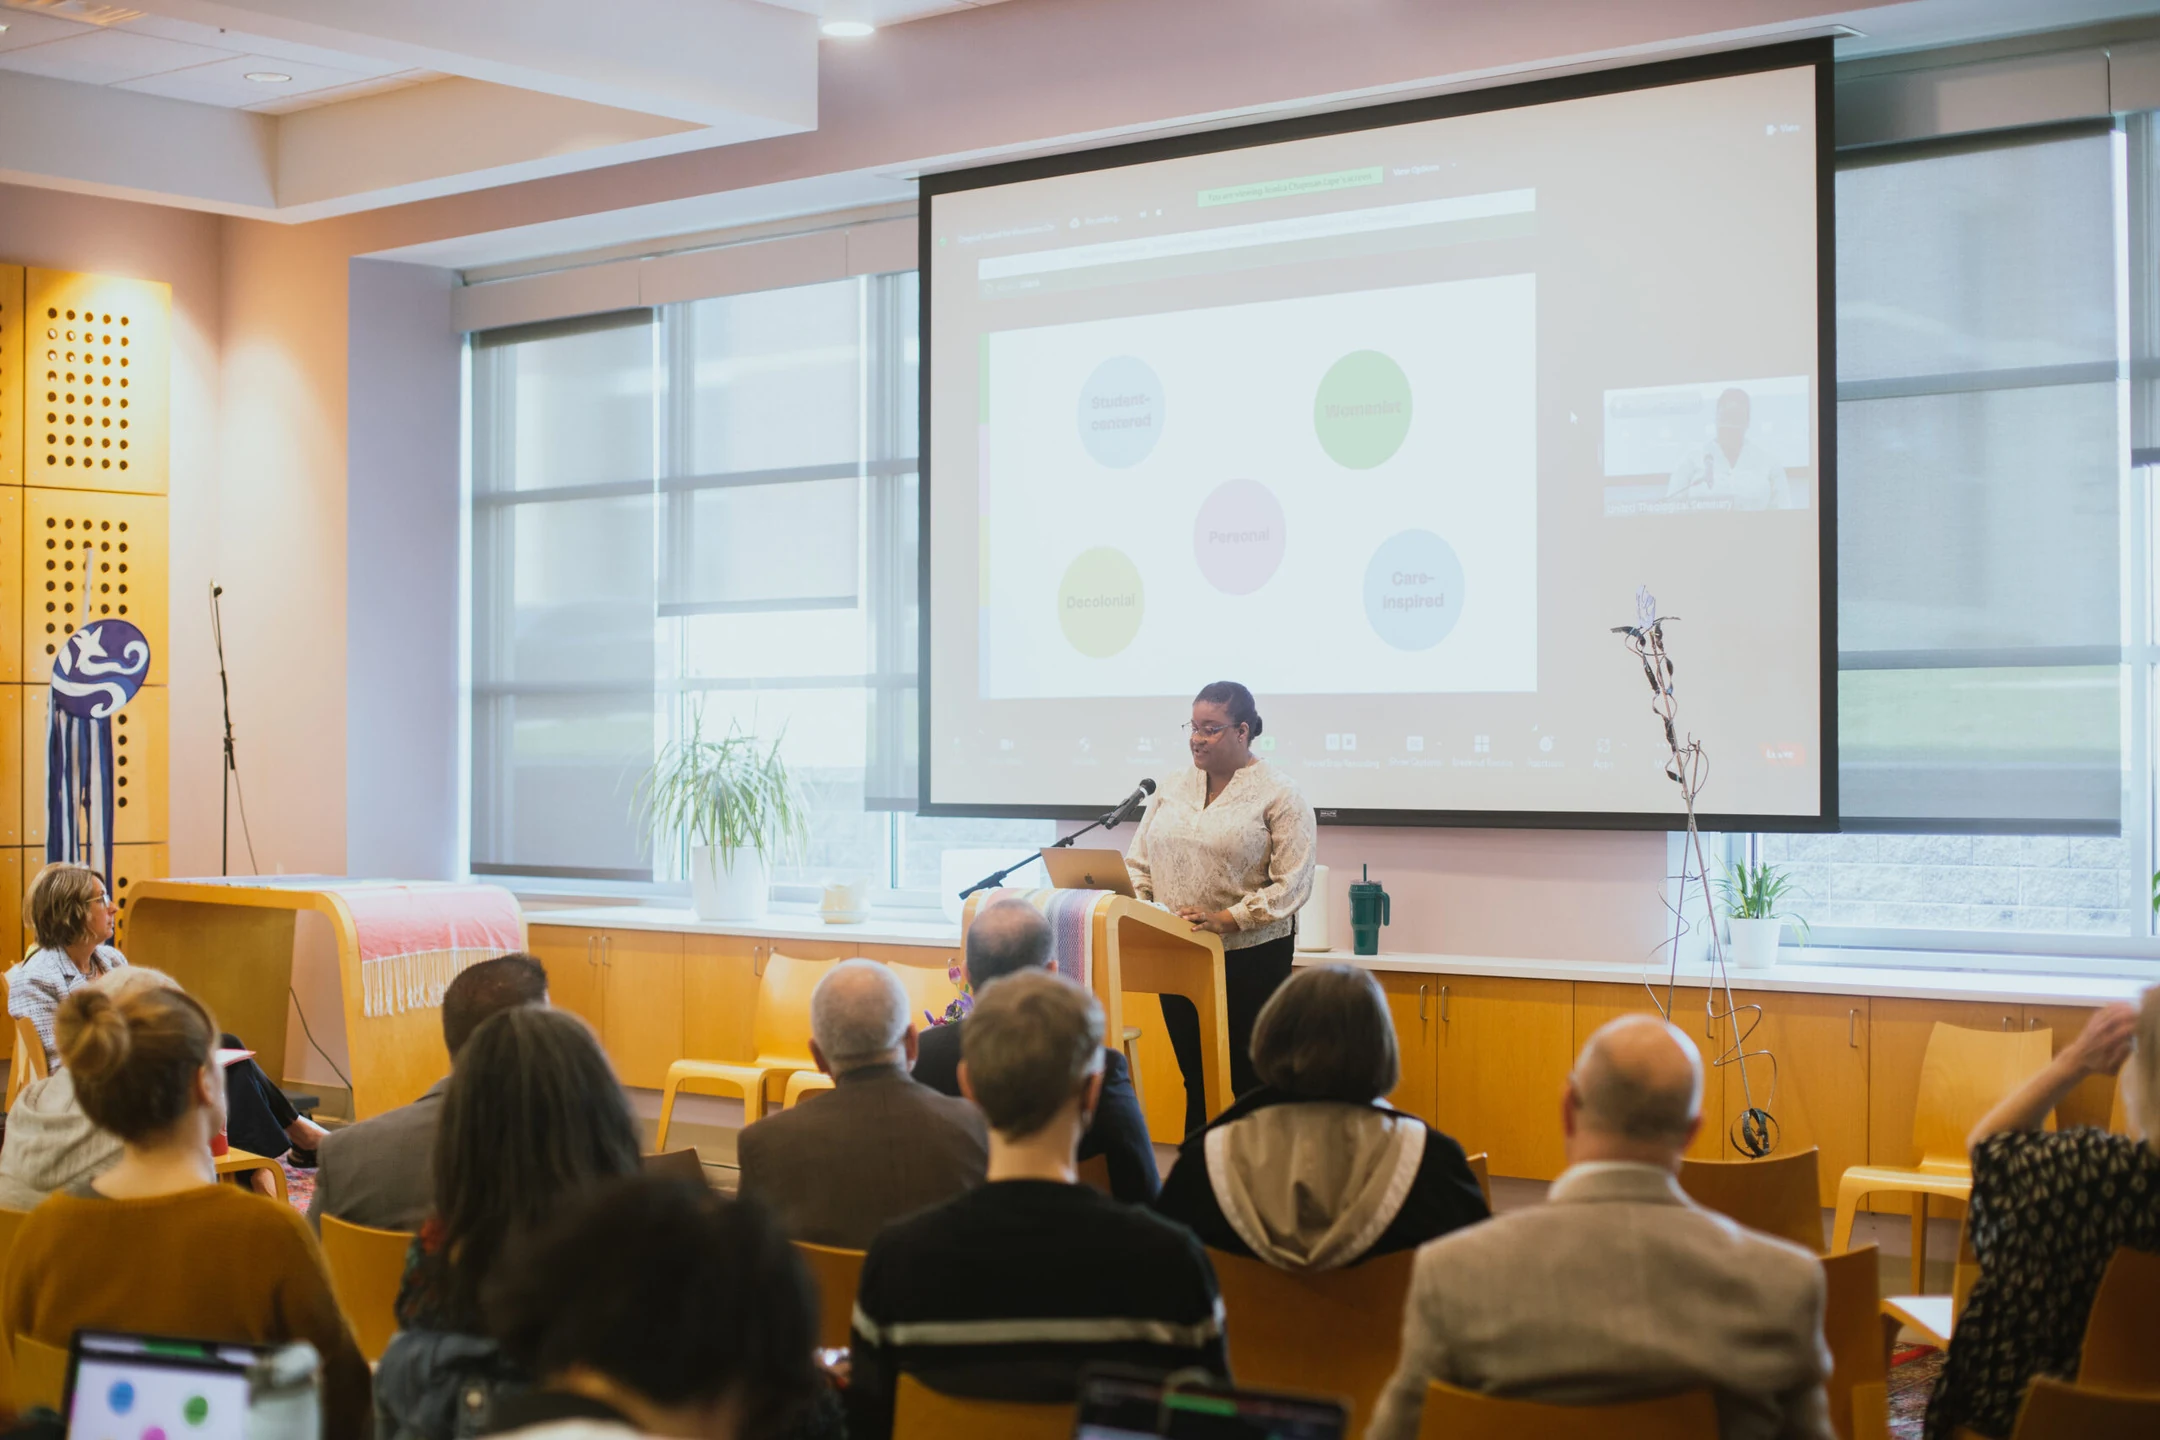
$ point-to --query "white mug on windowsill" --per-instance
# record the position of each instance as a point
(845, 902)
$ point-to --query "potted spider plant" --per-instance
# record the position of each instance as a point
(1755, 897)
(740, 809)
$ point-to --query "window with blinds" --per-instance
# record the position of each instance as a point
(705, 509)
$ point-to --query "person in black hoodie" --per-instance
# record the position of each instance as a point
(1313, 1171)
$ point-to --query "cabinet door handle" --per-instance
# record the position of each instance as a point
(591, 943)
(757, 961)
(1421, 1004)
(607, 951)
(2032, 1022)
(1443, 1004)
(2006, 1021)
(1852, 1028)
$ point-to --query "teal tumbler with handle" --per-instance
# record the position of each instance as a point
(1369, 910)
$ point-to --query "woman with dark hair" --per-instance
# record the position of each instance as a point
(1313, 1171)
(534, 1118)
(1228, 845)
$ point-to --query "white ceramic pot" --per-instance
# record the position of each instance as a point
(723, 891)
(1754, 942)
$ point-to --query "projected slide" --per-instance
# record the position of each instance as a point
(1358, 477)
(1389, 423)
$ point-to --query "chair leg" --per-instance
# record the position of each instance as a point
(667, 1112)
(1919, 1242)
(1848, 1207)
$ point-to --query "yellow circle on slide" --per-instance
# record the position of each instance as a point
(1100, 602)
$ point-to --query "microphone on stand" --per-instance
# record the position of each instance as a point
(1129, 806)
(1109, 820)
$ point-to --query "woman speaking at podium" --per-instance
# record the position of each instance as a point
(1228, 845)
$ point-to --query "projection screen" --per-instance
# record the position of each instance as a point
(1388, 414)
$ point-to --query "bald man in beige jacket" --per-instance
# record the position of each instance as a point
(1619, 1287)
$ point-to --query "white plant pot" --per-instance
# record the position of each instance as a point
(723, 891)
(1754, 942)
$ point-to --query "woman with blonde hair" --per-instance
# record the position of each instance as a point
(2049, 1210)
(156, 1245)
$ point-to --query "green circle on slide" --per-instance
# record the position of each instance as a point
(1100, 602)
(1362, 411)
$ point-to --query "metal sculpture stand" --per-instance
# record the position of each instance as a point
(1755, 1133)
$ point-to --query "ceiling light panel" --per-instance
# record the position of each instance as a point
(227, 82)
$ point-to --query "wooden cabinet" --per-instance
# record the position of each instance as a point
(641, 978)
(1412, 1006)
(1503, 1048)
(1813, 1081)
(1596, 1004)
(571, 957)
(2093, 1101)
(720, 986)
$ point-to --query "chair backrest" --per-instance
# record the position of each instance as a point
(27, 1061)
(680, 1164)
(2055, 1411)
(920, 1413)
(2122, 1335)
(1779, 1195)
(928, 990)
(1965, 1074)
(366, 1266)
(40, 1373)
(780, 1028)
(837, 1274)
(1452, 1414)
(1094, 1172)
(1481, 1166)
(1853, 1327)
(1326, 1332)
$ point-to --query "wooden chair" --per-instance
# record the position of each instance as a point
(837, 1274)
(1481, 1166)
(1452, 1414)
(2055, 1411)
(241, 1162)
(801, 1083)
(681, 1164)
(1859, 1384)
(780, 1035)
(1963, 1075)
(1780, 1195)
(40, 1374)
(2122, 1335)
(1935, 1316)
(27, 1061)
(1094, 1172)
(929, 990)
(920, 1413)
(366, 1267)
(1328, 1332)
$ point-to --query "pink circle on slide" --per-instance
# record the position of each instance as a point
(1238, 536)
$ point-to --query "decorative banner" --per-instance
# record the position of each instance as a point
(97, 671)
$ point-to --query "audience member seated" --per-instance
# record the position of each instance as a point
(533, 1119)
(1006, 1292)
(155, 1244)
(661, 1308)
(1008, 936)
(73, 919)
(50, 1143)
(877, 1146)
(2049, 1210)
(381, 1172)
(1311, 1171)
(1619, 1287)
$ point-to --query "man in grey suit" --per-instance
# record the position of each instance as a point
(877, 1146)
(1619, 1287)
(381, 1172)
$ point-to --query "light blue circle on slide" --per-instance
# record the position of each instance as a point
(1414, 590)
(1121, 412)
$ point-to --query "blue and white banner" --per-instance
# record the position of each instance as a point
(97, 671)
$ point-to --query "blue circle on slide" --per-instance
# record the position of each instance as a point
(1121, 412)
(121, 1398)
(1414, 590)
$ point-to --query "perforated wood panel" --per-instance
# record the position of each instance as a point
(99, 381)
(11, 767)
(11, 374)
(11, 894)
(11, 584)
(115, 543)
(139, 767)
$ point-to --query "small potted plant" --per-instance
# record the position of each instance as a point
(1754, 897)
(740, 809)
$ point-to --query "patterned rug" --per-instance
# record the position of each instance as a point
(299, 1185)
(1913, 1369)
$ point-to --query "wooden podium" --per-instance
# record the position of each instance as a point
(231, 946)
(1144, 948)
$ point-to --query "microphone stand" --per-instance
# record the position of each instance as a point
(217, 636)
(1109, 820)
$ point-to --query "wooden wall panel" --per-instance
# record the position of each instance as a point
(115, 543)
(12, 795)
(99, 382)
(131, 865)
(11, 374)
(11, 582)
(11, 894)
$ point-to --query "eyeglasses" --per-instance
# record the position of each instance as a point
(1205, 732)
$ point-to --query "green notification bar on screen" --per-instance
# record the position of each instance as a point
(1297, 185)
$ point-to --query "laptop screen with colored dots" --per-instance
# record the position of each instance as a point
(141, 1387)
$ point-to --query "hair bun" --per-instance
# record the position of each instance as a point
(94, 1036)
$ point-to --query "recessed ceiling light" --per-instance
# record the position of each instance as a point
(848, 29)
(269, 77)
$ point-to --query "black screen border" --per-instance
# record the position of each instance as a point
(1751, 60)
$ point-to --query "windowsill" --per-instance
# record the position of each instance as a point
(784, 921)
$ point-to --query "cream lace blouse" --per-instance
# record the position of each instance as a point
(1251, 852)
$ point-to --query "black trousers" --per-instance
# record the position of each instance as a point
(1250, 976)
(256, 1111)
